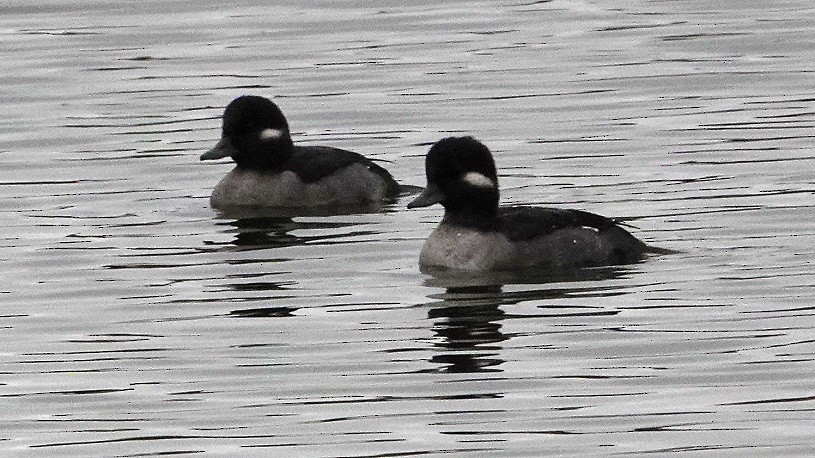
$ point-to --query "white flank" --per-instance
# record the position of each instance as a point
(478, 180)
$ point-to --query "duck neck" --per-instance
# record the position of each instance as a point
(269, 154)
(476, 211)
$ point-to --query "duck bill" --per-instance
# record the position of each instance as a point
(431, 195)
(224, 148)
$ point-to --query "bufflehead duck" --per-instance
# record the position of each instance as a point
(271, 171)
(475, 234)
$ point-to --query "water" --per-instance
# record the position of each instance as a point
(137, 321)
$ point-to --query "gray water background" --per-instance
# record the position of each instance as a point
(137, 321)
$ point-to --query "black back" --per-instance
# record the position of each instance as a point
(313, 163)
(525, 223)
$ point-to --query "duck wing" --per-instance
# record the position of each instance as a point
(526, 223)
(313, 163)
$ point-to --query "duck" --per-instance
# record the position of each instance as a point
(271, 171)
(476, 234)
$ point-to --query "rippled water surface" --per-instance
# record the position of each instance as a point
(137, 321)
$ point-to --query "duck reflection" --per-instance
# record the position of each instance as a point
(467, 321)
(467, 317)
(270, 228)
(264, 312)
(256, 233)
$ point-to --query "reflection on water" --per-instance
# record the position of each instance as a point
(468, 316)
(259, 237)
(281, 231)
(264, 312)
(451, 278)
(265, 228)
(467, 322)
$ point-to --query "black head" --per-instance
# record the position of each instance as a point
(255, 134)
(461, 177)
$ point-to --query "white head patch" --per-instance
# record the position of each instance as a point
(270, 134)
(478, 180)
